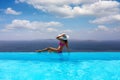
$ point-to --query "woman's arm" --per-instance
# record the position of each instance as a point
(58, 37)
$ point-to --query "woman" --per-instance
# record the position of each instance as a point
(63, 42)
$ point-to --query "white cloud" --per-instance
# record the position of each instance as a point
(55, 2)
(107, 19)
(106, 12)
(27, 30)
(103, 11)
(60, 8)
(105, 29)
(103, 8)
(32, 25)
(102, 28)
(11, 11)
(63, 8)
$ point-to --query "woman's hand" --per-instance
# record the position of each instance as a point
(62, 35)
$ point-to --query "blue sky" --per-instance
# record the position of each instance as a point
(45, 19)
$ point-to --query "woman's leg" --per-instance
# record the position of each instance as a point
(41, 50)
(52, 49)
(48, 49)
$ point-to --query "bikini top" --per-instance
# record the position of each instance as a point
(61, 44)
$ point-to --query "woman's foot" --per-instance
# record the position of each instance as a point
(38, 50)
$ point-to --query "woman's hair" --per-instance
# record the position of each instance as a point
(66, 41)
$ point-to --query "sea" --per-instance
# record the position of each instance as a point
(74, 45)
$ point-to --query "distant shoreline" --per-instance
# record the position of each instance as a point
(75, 46)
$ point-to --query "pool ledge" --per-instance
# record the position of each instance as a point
(53, 56)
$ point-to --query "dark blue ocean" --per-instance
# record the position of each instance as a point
(74, 45)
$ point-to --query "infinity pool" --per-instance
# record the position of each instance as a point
(65, 66)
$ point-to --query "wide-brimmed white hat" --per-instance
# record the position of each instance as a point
(66, 37)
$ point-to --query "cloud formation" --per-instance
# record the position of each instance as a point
(62, 8)
(102, 28)
(11, 11)
(107, 19)
(35, 26)
(25, 29)
(32, 25)
(102, 11)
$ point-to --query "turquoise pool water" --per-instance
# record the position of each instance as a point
(24, 66)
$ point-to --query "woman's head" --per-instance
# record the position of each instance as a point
(64, 36)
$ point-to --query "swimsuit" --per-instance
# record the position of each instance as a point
(61, 44)
(59, 52)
